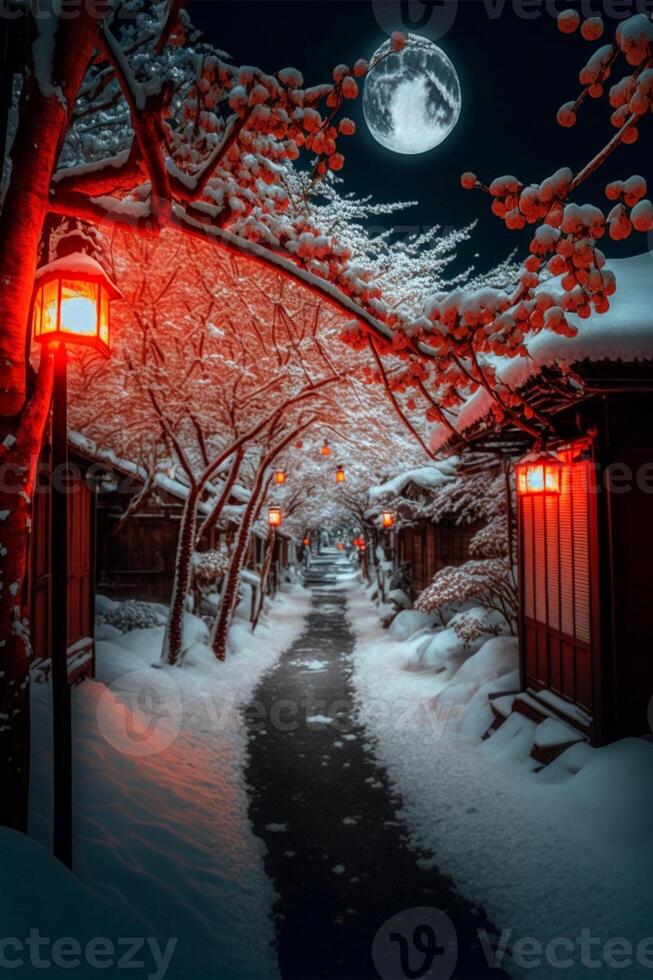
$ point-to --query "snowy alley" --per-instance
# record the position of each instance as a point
(326, 490)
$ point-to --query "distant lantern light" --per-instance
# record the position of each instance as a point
(71, 302)
(538, 473)
(280, 476)
(326, 448)
(307, 542)
(340, 475)
(387, 518)
(275, 517)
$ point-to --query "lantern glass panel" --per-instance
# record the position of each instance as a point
(49, 293)
(79, 308)
(104, 316)
(540, 477)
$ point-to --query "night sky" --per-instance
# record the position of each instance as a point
(514, 71)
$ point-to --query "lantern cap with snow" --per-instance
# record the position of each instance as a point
(71, 302)
(538, 473)
(275, 517)
(387, 518)
(340, 475)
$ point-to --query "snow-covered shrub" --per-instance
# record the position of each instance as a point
(132, 615)
(208, 567)
(472, 624)
(486, 581)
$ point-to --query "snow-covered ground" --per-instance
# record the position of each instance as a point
(163, 847)
(563, 857)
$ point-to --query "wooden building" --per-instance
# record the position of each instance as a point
(426, 544)
(585, 542)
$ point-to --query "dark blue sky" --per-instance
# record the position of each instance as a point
(515, 71)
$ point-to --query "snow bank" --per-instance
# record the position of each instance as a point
(409, 621)
(162, 835)
(547, 854)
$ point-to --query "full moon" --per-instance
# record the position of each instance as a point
(412, 98)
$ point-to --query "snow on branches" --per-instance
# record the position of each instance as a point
(484, 581)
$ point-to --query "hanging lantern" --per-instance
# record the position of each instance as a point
(387, 518)
(538, 473)
(326, 448)
(307, 542)
(340, 475)
(275, 517)
(72, 302)
(280, 476)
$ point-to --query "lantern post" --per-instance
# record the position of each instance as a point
(71, 306)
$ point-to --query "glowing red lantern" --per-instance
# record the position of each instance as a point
(326, 448)
(71, 303)
(387, 518)
(275, 517)
(307, 542)
(538, 473)
(340, 475)
(280, 476)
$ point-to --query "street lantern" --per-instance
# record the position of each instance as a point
(280, 476)
(387, 518)
(275, 517)
(70, 308)
(538, 473)
(71, 302)
(326, 448)
(340, 475)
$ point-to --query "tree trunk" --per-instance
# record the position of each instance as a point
(172, 640)
(232, 578)
(17, 479)
(41, 128)
(265, 571)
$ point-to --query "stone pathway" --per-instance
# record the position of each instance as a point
(337, 851)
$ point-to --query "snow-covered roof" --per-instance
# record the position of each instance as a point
(168, 484)
(77, 265)
(624, 333)
(428, 477)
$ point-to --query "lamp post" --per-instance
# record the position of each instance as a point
(71, 306)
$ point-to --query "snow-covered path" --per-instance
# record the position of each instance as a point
(337, 851)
